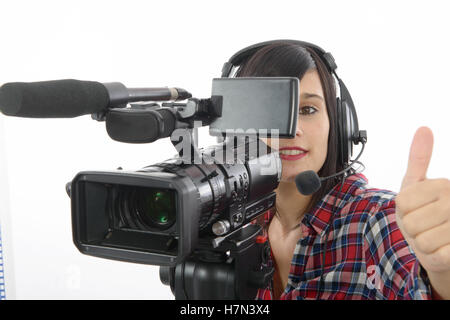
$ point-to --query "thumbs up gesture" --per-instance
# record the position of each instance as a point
(423, 213)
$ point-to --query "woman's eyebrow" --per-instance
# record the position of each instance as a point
(307, 95)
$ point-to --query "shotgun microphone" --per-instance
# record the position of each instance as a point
(72, 98)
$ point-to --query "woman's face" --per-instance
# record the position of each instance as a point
(308, 150)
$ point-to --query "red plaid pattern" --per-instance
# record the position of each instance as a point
(367, 256)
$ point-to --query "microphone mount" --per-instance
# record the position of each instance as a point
(120, 96)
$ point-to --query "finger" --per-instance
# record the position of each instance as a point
(439, 260)
(433, 239)
(426, 217)
(421, 194)
(419, 157)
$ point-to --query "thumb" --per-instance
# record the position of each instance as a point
(419, 156)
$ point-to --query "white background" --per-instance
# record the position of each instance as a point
(393, 56)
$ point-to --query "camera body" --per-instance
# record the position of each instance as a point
(164, 212)
(156, 215)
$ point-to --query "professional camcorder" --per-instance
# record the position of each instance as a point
(193, 214)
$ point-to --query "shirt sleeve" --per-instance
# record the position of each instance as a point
(393, 270)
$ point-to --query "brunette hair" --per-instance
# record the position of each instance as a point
(293, 60)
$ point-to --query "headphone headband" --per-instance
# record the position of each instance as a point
(239, 57)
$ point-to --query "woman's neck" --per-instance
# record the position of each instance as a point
(291, 205)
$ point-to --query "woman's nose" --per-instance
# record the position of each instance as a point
(299, 131)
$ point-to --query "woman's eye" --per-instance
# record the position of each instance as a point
(307, 110)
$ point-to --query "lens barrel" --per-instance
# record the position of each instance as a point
(147, 209)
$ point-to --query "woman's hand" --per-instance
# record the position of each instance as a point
(423, 213)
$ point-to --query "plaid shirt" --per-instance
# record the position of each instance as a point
(367, 256)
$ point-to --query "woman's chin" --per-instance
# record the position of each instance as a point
(289, 179)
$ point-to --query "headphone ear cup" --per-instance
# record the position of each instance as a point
(348, 129)
(341, 137)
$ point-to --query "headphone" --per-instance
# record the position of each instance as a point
(347, 120)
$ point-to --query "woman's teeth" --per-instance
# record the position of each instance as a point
(291, 152)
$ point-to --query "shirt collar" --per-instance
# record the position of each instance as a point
(319, 217)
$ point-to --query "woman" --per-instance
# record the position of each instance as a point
(346, 241)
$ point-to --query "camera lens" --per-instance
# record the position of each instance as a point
(156, 207)
(146, 208)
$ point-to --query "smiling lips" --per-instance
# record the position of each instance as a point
(292, 153)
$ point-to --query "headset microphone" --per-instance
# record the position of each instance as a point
(308, 182)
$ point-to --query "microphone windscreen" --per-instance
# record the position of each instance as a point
(307, 182)
(53, 99)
